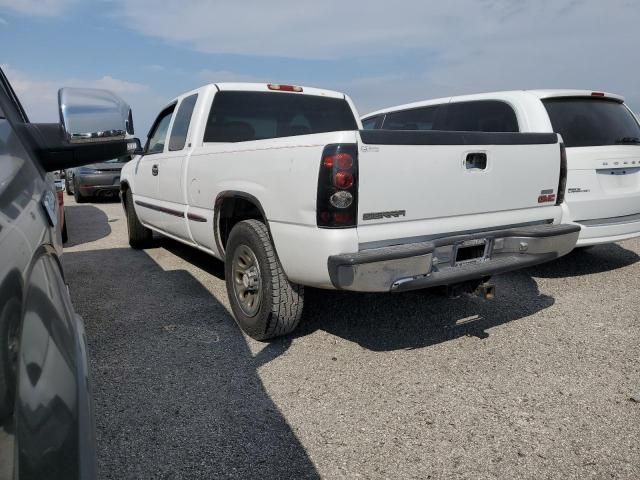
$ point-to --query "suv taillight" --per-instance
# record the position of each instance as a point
(337, 203)
(562, 186)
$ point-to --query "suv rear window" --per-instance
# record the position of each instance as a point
(589, 122)
(480, 116)
(245, 116)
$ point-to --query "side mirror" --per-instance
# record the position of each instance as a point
(134, 147)
(93, 128)
(89, 115)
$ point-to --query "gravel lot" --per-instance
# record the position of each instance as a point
(536, 384)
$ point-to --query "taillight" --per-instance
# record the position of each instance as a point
(337, 203)
(284, 88)
(562, 186)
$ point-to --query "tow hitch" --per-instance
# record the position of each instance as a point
(486, 290)
(482, 288)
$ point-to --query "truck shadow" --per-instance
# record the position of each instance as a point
(177, 393)
(192, 255)
(85, 224)
(383, 322)
(394, 321)
(598, 259)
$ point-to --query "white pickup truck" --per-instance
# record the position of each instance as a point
(281, 183)
(601, 134)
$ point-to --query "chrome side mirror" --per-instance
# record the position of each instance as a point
(89, 115)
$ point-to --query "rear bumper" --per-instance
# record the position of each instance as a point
(608, 230)
(433, 263)
(91, 184)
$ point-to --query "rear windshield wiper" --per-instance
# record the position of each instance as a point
(628, 140)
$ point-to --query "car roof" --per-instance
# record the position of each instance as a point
(502, 95)
(264, 87)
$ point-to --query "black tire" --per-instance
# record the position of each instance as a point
(139, 235)
(67, 187)
(65, 235)
(280, 301)
(9, 322)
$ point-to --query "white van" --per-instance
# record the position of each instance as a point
(601, 136)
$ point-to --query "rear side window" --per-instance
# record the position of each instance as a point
(371, 123)
(245, 116)
(424, 118)
(589, 122)
(480, 116)
(181, 123)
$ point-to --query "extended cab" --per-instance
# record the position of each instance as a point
(601, 135)
(282, 184)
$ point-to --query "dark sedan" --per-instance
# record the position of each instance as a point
(95, 180)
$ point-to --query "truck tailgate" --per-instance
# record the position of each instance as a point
(409, 176)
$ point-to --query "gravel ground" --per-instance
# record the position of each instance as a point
(536, 384)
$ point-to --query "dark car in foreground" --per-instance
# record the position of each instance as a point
(46, 414)
(95, 180)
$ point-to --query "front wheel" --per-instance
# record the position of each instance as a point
(139, 235)
(264, 302)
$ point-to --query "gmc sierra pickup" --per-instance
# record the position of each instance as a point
(283, 185)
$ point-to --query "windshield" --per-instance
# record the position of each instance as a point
(588, 122)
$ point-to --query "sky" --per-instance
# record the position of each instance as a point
(379, 53)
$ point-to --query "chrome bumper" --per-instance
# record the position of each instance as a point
(433, 263)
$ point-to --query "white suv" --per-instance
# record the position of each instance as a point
(601, 136)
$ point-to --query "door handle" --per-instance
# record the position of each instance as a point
(154, 170)
(476, 161)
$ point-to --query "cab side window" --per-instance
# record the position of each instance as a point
(180, 127)
(158, 133)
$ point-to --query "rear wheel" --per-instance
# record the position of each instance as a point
(264, 302)
(139, 235)
(77, 195)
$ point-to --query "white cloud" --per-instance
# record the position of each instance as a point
(118, 86)
(214, 76)
(472, 45)
(42, 8)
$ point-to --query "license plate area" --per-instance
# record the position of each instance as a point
(471, 251)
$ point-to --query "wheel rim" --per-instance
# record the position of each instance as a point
(247, 281)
